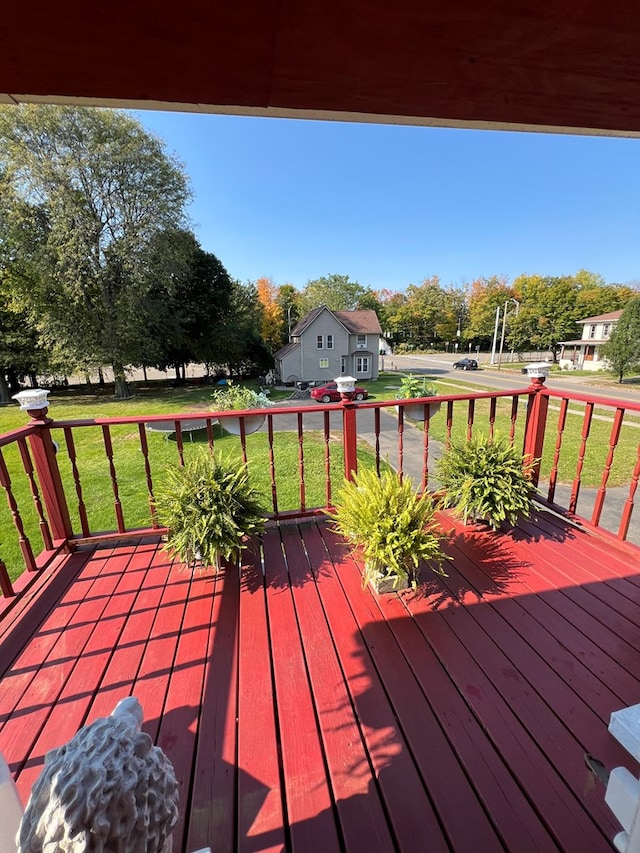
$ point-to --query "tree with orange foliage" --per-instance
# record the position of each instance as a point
(272, 318)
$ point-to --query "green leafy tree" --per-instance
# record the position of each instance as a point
(105, 188)
(622, 350)
(337, 292)
(486, 296)
(548, 312)
(288, 299)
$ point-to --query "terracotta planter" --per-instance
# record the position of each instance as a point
(252, 423)
(415, 412)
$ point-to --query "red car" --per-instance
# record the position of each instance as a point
(329, 393)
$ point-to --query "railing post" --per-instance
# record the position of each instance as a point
(43, 452)
(349, 438)
(536, 424)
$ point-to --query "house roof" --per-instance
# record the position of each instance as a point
(355, 322)
(360, 322)
(499, 64)
(287, 349)
(602, 318)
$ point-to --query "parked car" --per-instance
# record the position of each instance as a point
(328, 393)
(466, 364)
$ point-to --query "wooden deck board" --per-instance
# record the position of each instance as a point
(303, 713)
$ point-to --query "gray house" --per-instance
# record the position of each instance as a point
(326, 344)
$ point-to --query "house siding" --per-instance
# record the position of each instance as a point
(303, 363)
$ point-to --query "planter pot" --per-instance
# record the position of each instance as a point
(416, 412)
(381, 584)
(252, 423)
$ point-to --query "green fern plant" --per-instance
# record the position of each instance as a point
(486, 479)
(210, 509)
(390, 525)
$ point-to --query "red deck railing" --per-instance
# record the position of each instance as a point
(54, 492)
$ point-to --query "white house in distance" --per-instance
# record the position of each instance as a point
(325, 344)
(584, 354)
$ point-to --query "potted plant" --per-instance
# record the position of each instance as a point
(234, 398)
(210, 509)
(486, 479)
(413, 387)
(390, 525)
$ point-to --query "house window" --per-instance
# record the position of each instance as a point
(606, 330)
(329, 341)
(362, 364)
(361, 341)
(324, 362)
(592, 331)
(320, 342)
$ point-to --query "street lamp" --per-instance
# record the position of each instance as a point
(504, 324)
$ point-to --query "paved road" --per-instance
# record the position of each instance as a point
(440, 366)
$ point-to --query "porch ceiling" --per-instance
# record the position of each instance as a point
(530, 64)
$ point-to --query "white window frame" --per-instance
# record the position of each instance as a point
(606, 330)
(329, 341)
(361, 341)
(319, 341)
(592, 332)
(323, 363)
(362, 364)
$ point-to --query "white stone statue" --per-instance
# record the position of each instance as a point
(109, 790)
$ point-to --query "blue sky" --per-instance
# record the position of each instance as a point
(390, 205)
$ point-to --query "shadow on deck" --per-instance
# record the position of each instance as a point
(303, 713)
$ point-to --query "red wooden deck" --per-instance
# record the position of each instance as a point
(302, 713)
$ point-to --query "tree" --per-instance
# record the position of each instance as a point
(548, 312)
(335, 291)
(622, 350)
(105, 188)
(486, 296)
(288, 299)
(272, 316)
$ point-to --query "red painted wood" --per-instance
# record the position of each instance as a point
(212, 816)
(350, 438)
(303, 498)
(492, 416)
(108, 449)
(29, 691)
(261, 821)
(5, 582)
(411, 812)
(35, 494)
(586, 426)
(358, 804)
(71, 452)
(179, 723)
(144, 446)
(23, 540)
(553, 476)
(272, 466)
(614, 436)
(309, 802)
(69, 712)
(119, 676)
(470, 416)
(43, 453)
(541, 782)
(327, 455)
(627, 510)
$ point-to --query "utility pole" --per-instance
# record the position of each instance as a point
(495, 336)
(504, 325)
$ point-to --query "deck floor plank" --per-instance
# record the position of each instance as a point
(70, 710)
(303, 713)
